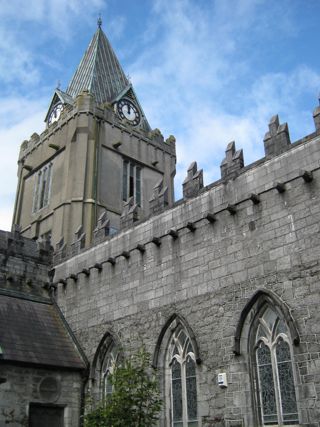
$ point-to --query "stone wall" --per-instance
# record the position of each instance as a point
(22, 387)
(262, 233)
(27, 377)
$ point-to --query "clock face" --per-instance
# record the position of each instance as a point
(55, 113)
(127, 110)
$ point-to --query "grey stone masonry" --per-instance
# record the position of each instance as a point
(204, 264)
(277, 140)
(22, 387)
(130, 214)
(60, 252)
(232, 163)
(102, 228)
(79, 241)
(159, 199)
(24, 263)
(316, 118)
(194, 181)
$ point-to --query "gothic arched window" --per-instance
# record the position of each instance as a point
(103, 364)
(183, 383)
(274, 375)
(108, 364)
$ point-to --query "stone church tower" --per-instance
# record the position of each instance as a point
(96, 159)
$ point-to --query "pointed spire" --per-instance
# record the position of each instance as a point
(99, 71)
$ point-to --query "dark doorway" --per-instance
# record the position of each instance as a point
(45, 415)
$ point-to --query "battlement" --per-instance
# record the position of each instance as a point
(283, 162)
(24, 265)
(85, 104)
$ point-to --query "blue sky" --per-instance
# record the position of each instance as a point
(206, 71)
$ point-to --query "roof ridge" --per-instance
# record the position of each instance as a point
(99, 71)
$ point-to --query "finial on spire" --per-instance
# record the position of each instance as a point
(99, 21)
(58, 84)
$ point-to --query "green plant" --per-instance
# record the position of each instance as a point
(135, 400)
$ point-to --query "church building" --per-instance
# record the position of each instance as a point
(221, 287)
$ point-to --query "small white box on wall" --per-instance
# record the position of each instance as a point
(222, 380)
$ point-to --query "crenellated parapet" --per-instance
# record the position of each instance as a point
(79, 241)
(193, 183)
(130, 215)
(159, 199)
(239, 181)
(233, 162)
(24, 263)
(102, 229)
(277, 139)
(316, 118)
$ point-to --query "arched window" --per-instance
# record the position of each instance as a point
(108, 363)
(274, 375)
(183, 383)
(103, 364)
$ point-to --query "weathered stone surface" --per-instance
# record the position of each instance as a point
(159, 199)
(277, 140)
(194, 181)
(232, 163)
(208, 274)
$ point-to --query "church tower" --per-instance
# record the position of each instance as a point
(96, 159)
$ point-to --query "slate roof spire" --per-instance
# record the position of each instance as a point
(99, 71)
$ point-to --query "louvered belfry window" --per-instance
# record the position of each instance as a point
(131, 182)
(42, 188)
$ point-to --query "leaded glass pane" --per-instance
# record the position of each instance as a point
(190, 367)
(193, 424)
(176, 392)
(189, 349)
(286, 381)
(269, 317)
(182, 338)
(175, 351)
(266, 385)
(191, 387)
(281, 328)
(107, 385)
(261, 332)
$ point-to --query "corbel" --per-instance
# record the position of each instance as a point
(254, 198)
(232, 209)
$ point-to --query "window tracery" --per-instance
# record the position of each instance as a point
(274, 370)
(183, 382)
(108, 364)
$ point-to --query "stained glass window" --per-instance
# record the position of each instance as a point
(108, 364)
(277, 394)
(183, 381)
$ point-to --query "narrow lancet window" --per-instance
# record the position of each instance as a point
(183, 385)
(275, 376)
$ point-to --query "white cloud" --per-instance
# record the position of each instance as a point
(19, 119)
(189, 80)
(196, 73)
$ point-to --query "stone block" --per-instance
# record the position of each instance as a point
(193, 183)
(102, 229)
(277, 139)
(232, 164)
(159, 199)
